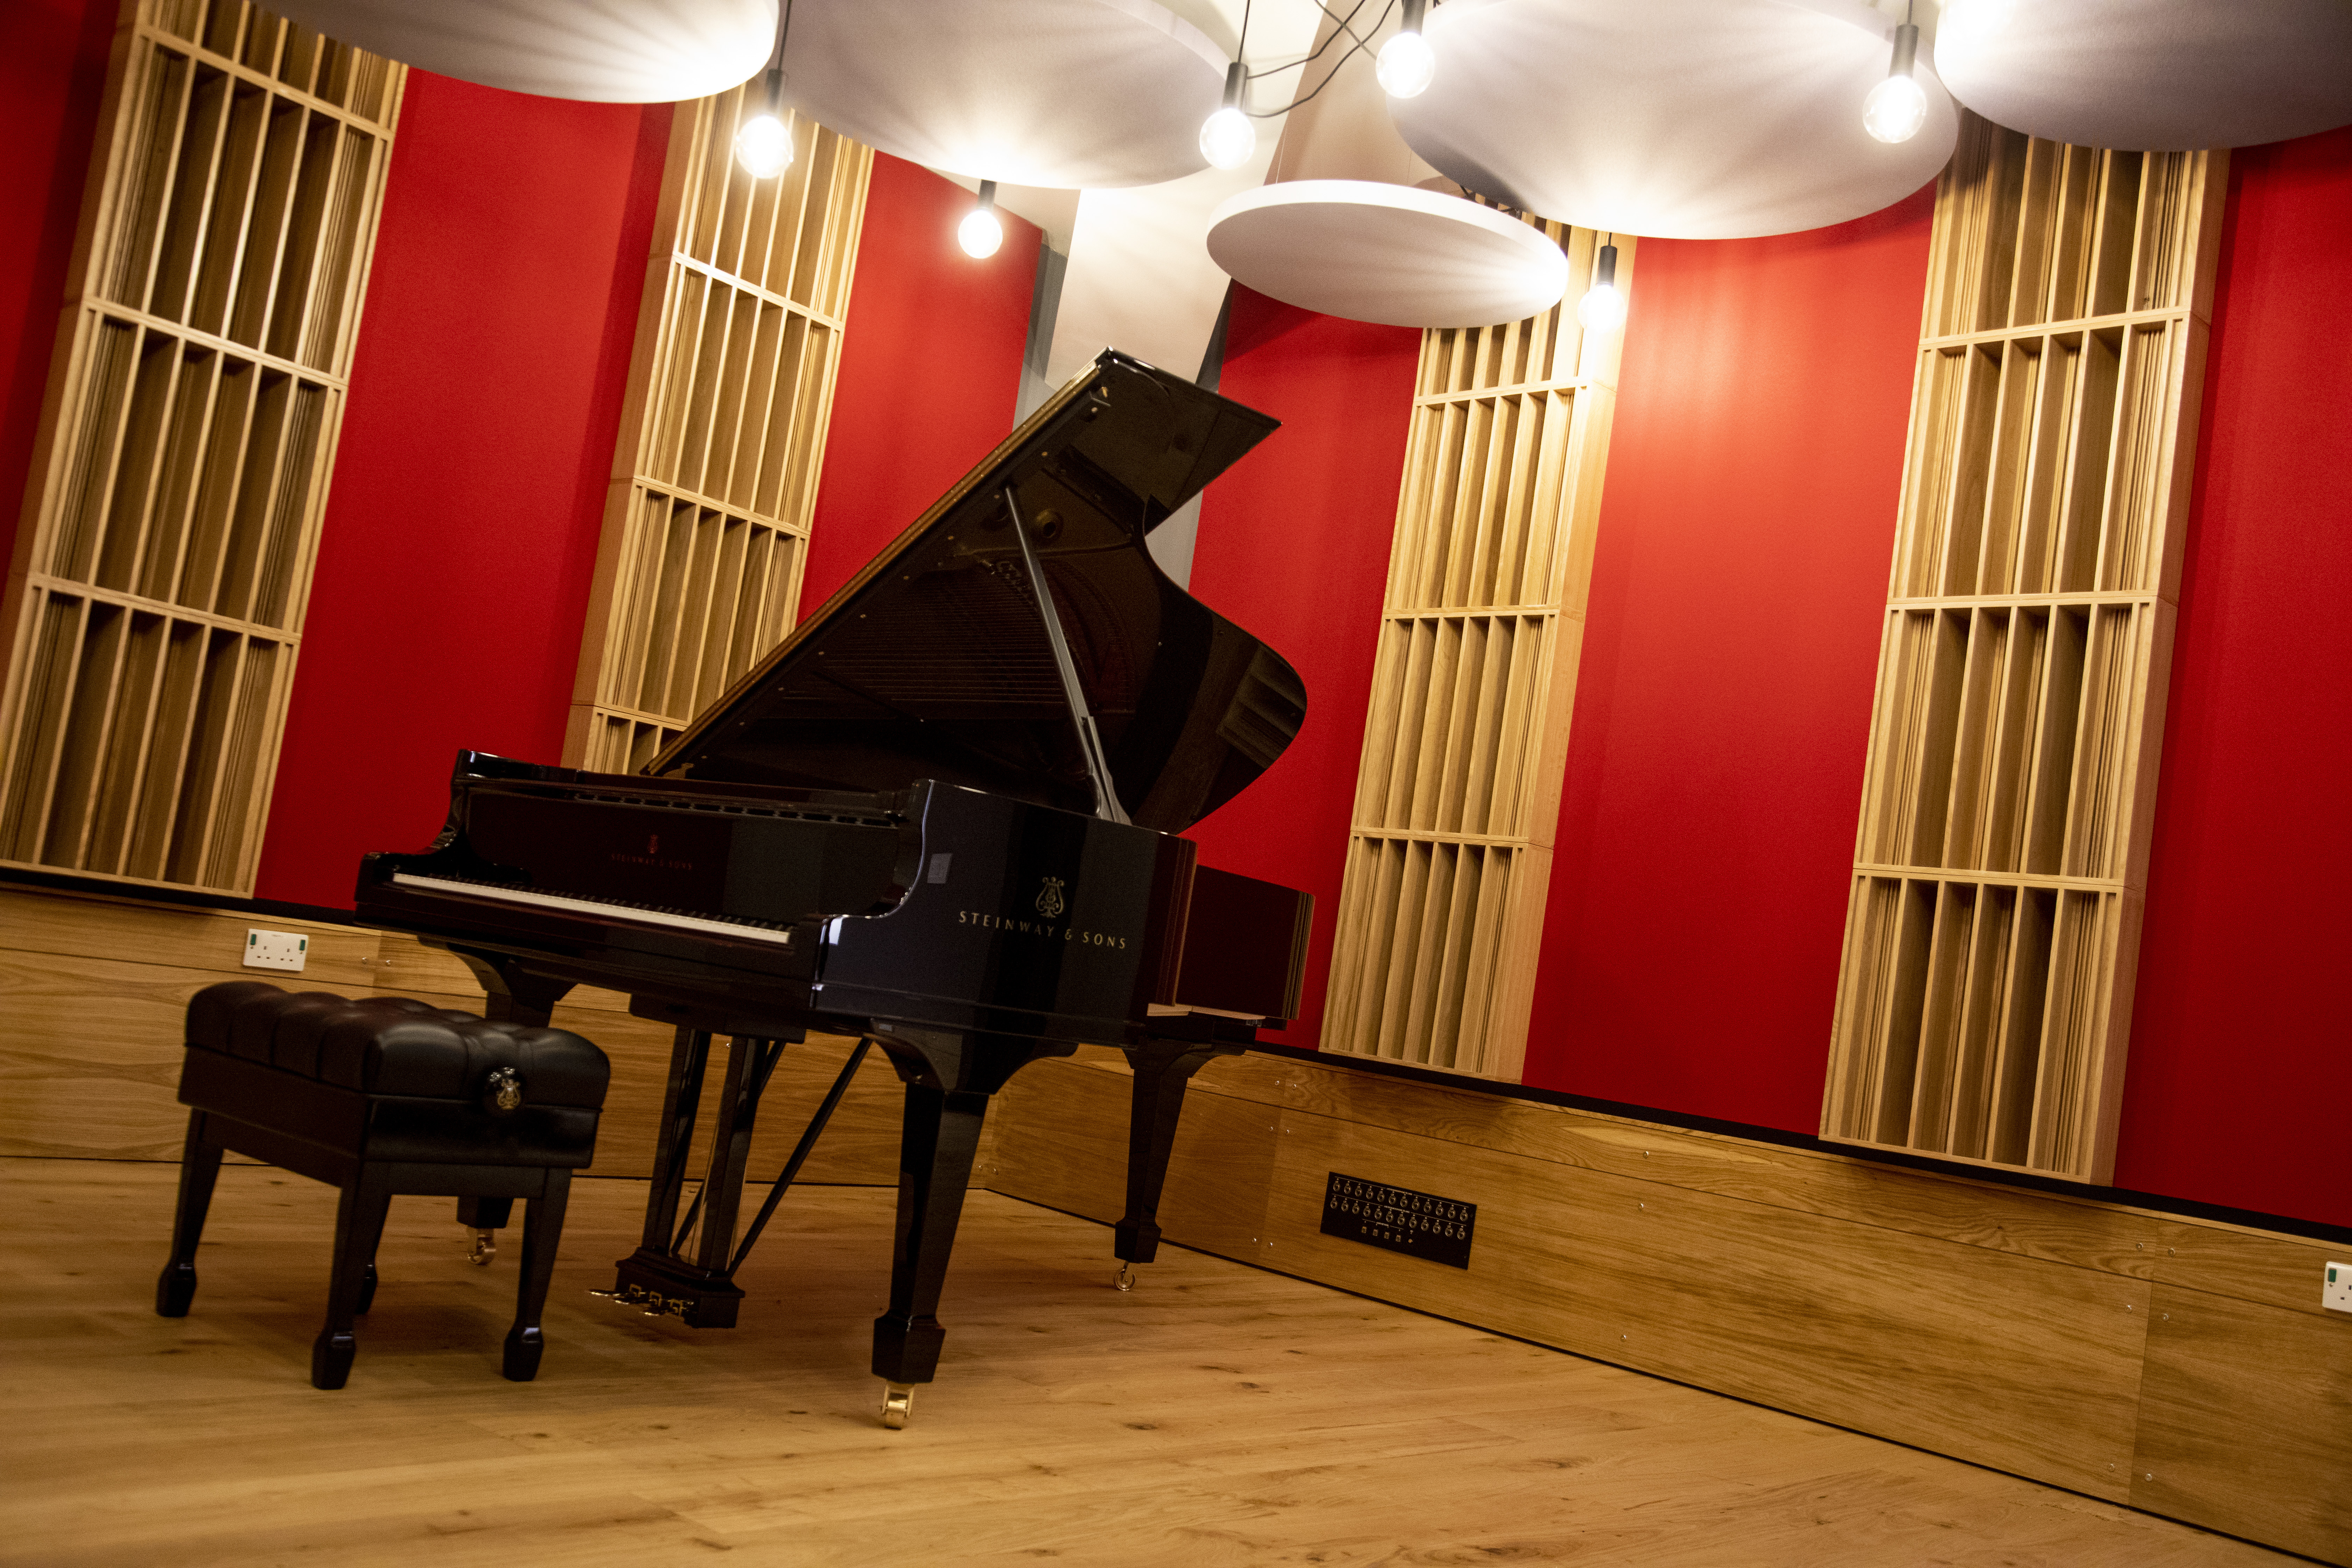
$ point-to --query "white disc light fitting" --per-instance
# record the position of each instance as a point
(1394, 253)
(1060, 93)
(615, 51)
(2151, 75)
(1683, 119)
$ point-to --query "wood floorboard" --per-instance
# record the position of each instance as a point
(1216, 1415)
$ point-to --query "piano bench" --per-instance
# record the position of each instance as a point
(381, 1096)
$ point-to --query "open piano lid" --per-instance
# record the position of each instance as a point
(934, 661)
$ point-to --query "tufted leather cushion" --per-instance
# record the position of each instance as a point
(393, 1044)
(391, 1077)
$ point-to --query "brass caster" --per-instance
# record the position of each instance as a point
(1126, 1280)
(484, 1246)
(898, 1404)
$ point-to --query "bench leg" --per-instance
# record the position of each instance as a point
(542, 1230)
(359, 1225)
(199, 1169)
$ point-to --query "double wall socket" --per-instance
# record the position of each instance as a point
(276, 950)
(2335, 1291)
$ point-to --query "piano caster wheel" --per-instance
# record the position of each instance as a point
(898, 1404)
(1126, 1280)
(484, 1246)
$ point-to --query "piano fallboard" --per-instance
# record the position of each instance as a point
(949, 908)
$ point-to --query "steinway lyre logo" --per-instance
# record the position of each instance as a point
(653, 843)
(1049, 902)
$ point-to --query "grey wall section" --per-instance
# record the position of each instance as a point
(1043, 305)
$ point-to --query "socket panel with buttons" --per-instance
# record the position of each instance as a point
(276, 950)
(2335, 1291)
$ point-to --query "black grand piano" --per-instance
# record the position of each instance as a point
(939, 818)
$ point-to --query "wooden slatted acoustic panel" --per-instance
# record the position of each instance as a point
(154, 608)
(722, 437)
(1984, 998)
(1466, 735)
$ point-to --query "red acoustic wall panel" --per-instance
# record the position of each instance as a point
(1723, 703)
(930, 367)
(1294, 547)
(52, 77)
(2240, 1064)
(469, 486)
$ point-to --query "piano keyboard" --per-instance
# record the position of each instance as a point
(601, 907)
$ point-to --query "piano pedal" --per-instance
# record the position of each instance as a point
(484, 1245)
(898, 1404)
(653, 1304)
(1126, 1280)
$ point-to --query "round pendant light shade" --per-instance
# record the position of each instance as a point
(1681, 119)
(607, 51)
(2152, 75)
(1031, 93)
(1394, 253)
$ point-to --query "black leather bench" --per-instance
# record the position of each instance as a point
(381, 1096)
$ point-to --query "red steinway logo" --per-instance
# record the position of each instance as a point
(651, 857)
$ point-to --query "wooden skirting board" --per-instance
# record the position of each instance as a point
(2181, 1366)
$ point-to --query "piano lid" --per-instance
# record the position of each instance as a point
(934, 661)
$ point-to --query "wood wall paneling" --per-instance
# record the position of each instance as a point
(154, 609)
(1992, 939)
(2020, 1329)
(2007, 1360)
(2245, 1420)
(94, 990)
(1061, 1141)
(1466, 742)
(722, 434)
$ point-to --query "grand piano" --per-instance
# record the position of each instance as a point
(940, 817)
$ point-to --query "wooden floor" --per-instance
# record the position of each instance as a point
(1217, 1415)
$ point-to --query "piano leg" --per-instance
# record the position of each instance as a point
(935, 1156)
(949, 1078)
(1163, 1068)
(510, 995)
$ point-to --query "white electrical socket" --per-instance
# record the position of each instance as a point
(2336, 1292)
(275, 950)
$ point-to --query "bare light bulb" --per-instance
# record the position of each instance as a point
(1895, 109)
(765, 146)
(1227, 137)
(1602, 308)
(1897, 106)
(979, 234)
(1405, 63)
